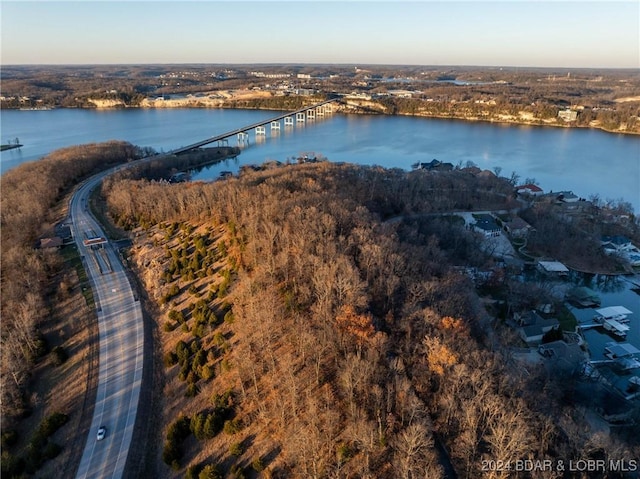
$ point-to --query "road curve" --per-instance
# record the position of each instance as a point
(121, 345)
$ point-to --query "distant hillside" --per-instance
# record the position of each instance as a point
(596, 98)
(304, 335)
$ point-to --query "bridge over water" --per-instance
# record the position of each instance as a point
(300, 115)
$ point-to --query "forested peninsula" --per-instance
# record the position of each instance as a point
(306, 320)
(313, 321)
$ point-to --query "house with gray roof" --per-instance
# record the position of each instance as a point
(517, 227)
(487, 225)
(533, 327)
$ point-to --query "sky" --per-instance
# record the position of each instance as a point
(526, 33)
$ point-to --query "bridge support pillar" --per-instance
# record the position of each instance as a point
(243, 137)
(223, 142)
(261, 131)
(288, 121)
(311, 114)
(320, 110)
(275, 125)
(300, 117)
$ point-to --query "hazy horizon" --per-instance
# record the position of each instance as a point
(508, 34)
(293, 64)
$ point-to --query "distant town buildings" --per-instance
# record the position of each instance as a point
(259, 74)
(401, 93)
(568, 115)
(529, 190)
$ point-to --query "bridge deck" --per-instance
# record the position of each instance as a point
(246, 128)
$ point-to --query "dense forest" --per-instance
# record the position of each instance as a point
(47, 304)
(29, 194)
(312, 322)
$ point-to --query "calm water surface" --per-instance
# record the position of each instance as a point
(584, 161)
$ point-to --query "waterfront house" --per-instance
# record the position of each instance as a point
(533, 326)
(567, 357)
(568, 115)
(553, 267)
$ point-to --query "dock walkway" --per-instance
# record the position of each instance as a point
(10, 146)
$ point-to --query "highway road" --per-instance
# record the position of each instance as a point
(120, 331)
(121, 346)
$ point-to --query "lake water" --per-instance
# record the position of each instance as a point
(581, 160)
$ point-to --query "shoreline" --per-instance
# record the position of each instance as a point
(344, 110)
(540, 123)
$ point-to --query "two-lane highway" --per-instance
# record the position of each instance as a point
(121, 346)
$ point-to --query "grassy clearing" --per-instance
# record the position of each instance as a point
(568, 321)
(71, 256)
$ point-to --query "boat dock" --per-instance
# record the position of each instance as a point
(596, 362)
(10, 146)
(617, 313)
(616, 327)
(584, 327)
(620, 350)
